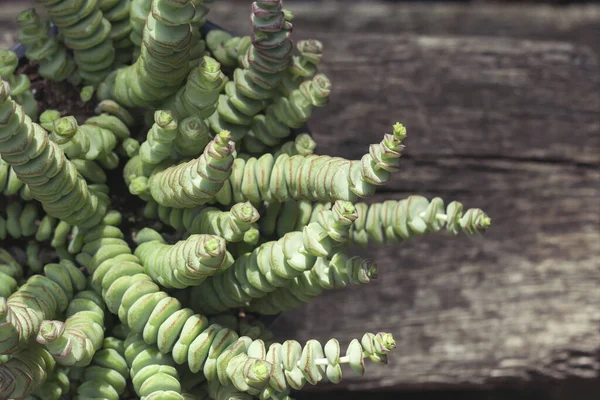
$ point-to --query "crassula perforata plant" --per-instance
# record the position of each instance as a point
(237, 218)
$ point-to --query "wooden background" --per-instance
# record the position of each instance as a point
(502, 103)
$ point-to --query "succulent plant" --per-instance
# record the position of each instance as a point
(141, 245)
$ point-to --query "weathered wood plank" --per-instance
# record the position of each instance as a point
(557, 390)
(493, 129)
(517, 306)
(476, 97)
(575, 23)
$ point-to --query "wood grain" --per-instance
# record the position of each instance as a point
(515, 306)
(472, 97)
(507, 125)
(574, 23)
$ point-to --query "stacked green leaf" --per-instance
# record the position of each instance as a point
(26, 221)
(313, 177)
(186, 263)
(336, 273)
(117, 13)
(148, 312)
(21, 317)
(25, 372)
(225, 48)
(195, 182)
(106, 376)
(199, 96)
(389, 222)
(19, 83)
(120, 118)
(56, 386)
(21, 221)
(192, 137)
(164, 57)
(159, 140)
(286, 113)
(395, 221)
(10, 184)
(303, 66)
(87, 142)
(302, 144)
(54, 62)
(75, 341)
(264, 62)
(198, 45)
(138, 13)
(274, 264)
(10, 274)
(39, 163)
(296, 365)
(234, 225)
(85, 31)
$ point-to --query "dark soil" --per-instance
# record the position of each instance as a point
(61, 96)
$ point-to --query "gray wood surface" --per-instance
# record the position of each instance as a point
(502, 105)
(503, 119)
(575, 23)
(510, 126)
